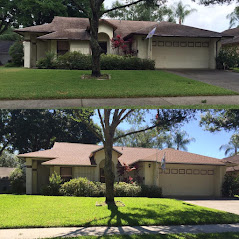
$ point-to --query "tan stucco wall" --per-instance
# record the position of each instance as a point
(183, 57)
(28, 176)
(42, 48)
(105, 28)
(85, 172)
(80, 46)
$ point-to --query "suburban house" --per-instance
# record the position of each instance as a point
(4, 49)
(4, 179)
(172, 45)
(232, 41)
(185, 174)
(232, 164)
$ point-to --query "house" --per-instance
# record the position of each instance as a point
(172, 46)
(186, 174)
(232, 164)
(4, 179)
(4, 49)
(232, 41)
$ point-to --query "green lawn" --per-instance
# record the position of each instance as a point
(236, 70)
(40, 211)
(230, 235)
(19, 83)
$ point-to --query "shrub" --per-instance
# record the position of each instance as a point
(47, 62)
(74, 61)
(80, 187)
(230, 186)
(228, 58)
(151, 191)
(123, 189)
(17, 54)
(79, 61)
(53, 188)
(18, 181)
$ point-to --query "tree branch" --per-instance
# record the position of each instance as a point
(81, 8)
(101, 121)
(123, 6)
(135, 132)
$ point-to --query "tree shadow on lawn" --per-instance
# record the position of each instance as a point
(162, 215)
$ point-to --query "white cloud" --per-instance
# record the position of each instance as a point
(211, 18)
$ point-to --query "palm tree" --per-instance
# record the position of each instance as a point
(182, 11)
(234, 17)
(232, 147)
(181, 140)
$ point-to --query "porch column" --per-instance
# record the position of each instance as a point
(28, 176)
(27, 54)
(150, 41)
(218, 180)
(34, 177)
(214, 48)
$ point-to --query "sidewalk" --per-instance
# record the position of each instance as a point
(99, 231)
(120, 102)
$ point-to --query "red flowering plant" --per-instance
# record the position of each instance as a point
(125, 170)
(120, 44)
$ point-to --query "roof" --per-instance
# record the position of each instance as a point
(232, 32)
(64, 28)
(232, 159)
(233, 169)
(81, 154)
(5, 172)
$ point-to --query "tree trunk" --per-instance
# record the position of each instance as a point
(109, 174)
(95, 47)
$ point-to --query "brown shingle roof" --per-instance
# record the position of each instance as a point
(75, 28)
(169, 29)
(5, 172)
(80, 154)
(232, 159)
(232, 32)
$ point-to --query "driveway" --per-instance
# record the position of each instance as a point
(225, 79)
(223, 205)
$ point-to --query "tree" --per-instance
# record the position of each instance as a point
(234, 18)
(147, 139)
(94, 14)
(141, 12)
(9, 160)
(210, 2)
(232, 147)
(181, 140)
(182, 11)
(111, 119)
(33, 130)
(216, 120)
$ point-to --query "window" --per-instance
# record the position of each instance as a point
(62, 47)
(66, 173)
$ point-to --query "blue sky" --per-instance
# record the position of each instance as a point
(207, 17)
(206, 143)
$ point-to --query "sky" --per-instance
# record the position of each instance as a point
(206, 143)
(207, 17)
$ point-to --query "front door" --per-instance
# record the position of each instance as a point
(103, 46)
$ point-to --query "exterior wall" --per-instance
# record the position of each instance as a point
(42, 48)
(175, 55)
(141, 45)
(103, 37)
(80, 46)
(28, 176)
(53, 46)
(105, 28)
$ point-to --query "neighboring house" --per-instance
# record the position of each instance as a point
(233, 41)
(232, 164)
(186, 174)
(173, 45)
(4, 179)
(4, 49)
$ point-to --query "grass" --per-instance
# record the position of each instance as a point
(236, 70)
(22, 211)
(229, 235)
(20, 83)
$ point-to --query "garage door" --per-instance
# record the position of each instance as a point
(181, 54)
(187, 181)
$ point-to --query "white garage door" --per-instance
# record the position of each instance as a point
(181, 54)
(187, 182)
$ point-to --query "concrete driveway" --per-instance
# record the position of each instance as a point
(225, 79)
(231, 206)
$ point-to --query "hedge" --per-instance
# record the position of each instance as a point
(78, 61)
